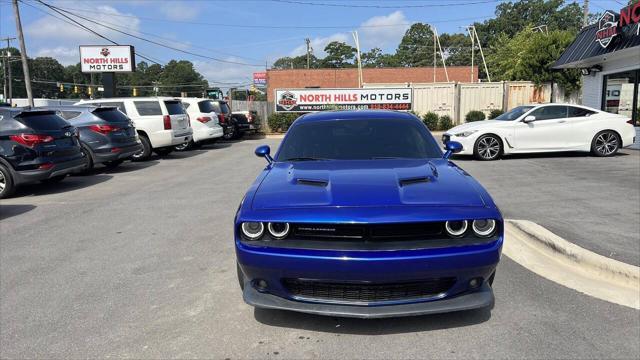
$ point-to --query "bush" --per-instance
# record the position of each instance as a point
(495, 113)
(431, 120)
(414, 113)
(280, 122)
(474, 115)
(445, 123)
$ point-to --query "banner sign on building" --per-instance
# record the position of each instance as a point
(612, 24)
(107, 58)
(308, 100)
(260, 78)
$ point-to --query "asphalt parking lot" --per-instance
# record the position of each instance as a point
(139, 262)
(592, 202)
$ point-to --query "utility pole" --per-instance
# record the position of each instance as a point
(473, 46)
(434, 55)
(6, 63)
(444, 62)
(23, 52)
(309, 49)
(357, 41)
(486, 70)
(585, 13)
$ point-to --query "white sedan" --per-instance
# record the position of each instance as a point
(544, 128)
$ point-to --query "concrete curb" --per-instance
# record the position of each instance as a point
(556, 259)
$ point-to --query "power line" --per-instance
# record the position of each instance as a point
(54, 8)
(255, 26)
(414, 6)
(77, 24)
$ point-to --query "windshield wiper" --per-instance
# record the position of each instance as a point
(304, 159)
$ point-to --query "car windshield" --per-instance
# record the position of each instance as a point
(514, 113)
(358, 140)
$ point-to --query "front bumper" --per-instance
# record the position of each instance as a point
(474, 300)
(467, 142)
(372, 267)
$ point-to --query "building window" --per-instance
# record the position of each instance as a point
(621, 94)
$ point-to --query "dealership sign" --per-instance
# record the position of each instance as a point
(260, 78)
(308, 100)
(611, 24)
(107, 58)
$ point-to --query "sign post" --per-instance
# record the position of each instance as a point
(108, 60)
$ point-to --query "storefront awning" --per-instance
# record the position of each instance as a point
(585, 46)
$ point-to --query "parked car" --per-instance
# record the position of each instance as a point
(36, 145)
(107, 135)
(246, 121)
(221, 107)
(544, 128)
(161, 122)
(205, 124)
(360, 214)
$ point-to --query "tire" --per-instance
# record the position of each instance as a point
(164, 151)
(6, 182)
(240, 276)
(230, 135)
(145, 153)
(88, 159)
(54, 179)
(487, 148)
(238, 135)
(113, 164)
(605, 143)
(491, 278)
(185, 147)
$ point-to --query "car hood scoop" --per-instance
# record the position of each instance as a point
(366, 183)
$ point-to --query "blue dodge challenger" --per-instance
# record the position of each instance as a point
(361, 214)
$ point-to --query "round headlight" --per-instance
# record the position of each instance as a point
(456, 228)
(278, 230)
(484, 227)
(252, 230)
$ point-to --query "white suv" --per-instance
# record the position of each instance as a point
(161, 122)
(206, 127)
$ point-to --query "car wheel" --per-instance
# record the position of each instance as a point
(185, 146)
(231, 134)
(145, 153)
(164, 151)
(6, 182)
(487, 147)
(240, 276)
(54, 179)
(113, 164)
(605, 143)
(88, 159)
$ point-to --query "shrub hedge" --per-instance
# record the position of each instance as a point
(280, 122)
(474, 115)
(445, 123)
(495, 113)
(431, 120)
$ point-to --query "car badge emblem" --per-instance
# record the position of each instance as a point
(105, 52)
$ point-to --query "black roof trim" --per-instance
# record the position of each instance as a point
(585, 46)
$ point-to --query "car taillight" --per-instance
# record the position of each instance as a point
(221, 118)
(103, 129)
(204, 119)
(167, 122)
(31, 140)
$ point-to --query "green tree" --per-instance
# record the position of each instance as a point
(179, 73)
(513, 17)
(529, 55)
(45, 69)
(297, 62)
(339, 55)
(416, 46)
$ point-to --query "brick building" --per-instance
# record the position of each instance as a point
(348, 78)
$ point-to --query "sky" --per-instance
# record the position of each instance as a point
(244, 34)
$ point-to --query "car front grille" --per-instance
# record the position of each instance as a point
(387, 232)
(366, 293)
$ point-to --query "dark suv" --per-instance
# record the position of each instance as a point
(107, 135)
(36, 145)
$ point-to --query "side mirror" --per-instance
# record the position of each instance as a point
(264, 151)
(529, 119)
(452, 147)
